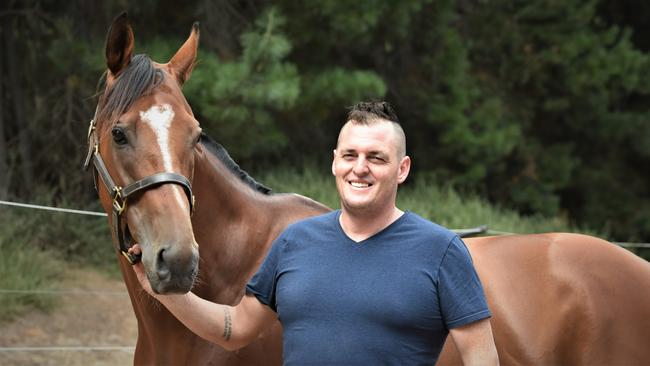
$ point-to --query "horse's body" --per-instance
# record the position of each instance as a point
(563, 299)
(555, 298)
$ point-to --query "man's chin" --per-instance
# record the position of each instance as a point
(357, 206)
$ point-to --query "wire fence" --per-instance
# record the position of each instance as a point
(129, 349)
(55, 209)
(479, 230)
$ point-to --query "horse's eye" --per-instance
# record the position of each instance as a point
(118, 136)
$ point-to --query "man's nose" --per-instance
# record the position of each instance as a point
(361, 166)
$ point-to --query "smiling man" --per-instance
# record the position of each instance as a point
(364, 285)
(369, 163)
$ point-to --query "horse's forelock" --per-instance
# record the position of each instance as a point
(137, 79)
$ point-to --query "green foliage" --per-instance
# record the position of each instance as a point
(246, 95)
(571, 82)
(257, 91)
(424, 196)
(82, 240)
(309, 180)
(539, 106)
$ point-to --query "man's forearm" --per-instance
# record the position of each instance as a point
(231, 327)
(211, 321)
(475, 343)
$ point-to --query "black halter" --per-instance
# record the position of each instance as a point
(121, 194)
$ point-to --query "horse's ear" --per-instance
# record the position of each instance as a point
(119, 44)
(182, 63)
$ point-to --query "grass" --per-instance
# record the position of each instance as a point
(310, 180)
(440, 204)
(23, 268)
(35, 248)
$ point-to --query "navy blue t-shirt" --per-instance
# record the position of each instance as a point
(389, 299)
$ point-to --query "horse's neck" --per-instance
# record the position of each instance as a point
(234, 226)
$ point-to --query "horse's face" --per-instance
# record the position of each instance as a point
(156, 133)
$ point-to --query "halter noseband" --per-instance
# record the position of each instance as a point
(120, 195)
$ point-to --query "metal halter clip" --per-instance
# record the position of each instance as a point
(93, 146)
(133, 259)
(91, 128)
(117, 206)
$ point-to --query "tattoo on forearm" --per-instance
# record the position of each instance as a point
(227, 324)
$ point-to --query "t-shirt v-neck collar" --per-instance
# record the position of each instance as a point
(364, 242)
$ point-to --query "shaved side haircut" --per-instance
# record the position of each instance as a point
(368, 113)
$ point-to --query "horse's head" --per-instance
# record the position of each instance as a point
(143, 127)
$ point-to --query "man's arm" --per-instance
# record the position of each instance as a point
(475, 343)
(231, 327)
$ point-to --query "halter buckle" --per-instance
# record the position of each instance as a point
(93, 146)
(118, 206)
(91, 128)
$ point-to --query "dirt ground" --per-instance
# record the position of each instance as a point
(97, 313)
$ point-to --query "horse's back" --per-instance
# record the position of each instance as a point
(564, 299)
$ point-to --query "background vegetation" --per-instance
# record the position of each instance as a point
(524, 115)
(539, 106)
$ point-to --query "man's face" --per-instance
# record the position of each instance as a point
(368, 167)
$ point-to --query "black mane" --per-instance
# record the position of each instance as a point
(222, 154)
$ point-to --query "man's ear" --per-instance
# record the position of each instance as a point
(334, 162)
(404, 169)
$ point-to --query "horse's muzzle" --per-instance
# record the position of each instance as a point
(174, 269)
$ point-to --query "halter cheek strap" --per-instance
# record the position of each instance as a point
(120, 194)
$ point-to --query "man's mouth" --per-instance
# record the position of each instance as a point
(360, 184)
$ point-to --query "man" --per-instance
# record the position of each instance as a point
(366, 284)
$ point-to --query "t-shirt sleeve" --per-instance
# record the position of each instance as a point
(462, 300)
(263, 283)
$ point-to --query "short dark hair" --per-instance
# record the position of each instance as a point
(363, 112)
(369, 113)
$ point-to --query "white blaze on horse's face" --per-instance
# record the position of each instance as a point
(160, 118)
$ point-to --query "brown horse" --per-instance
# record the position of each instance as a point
(556, 298)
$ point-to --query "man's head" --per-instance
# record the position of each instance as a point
(369, 160)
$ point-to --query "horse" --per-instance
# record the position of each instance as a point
(205, 225)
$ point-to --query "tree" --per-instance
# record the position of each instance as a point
(575, 86)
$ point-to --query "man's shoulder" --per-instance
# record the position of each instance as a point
(312, 223)
(427, 227)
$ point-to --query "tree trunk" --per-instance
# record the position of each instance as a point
(16, 91)
(4, 166)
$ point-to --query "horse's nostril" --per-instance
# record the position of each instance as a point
(162, 267)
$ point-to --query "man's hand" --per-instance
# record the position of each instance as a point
(138, 268)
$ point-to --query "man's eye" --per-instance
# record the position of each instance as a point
(118, 136)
